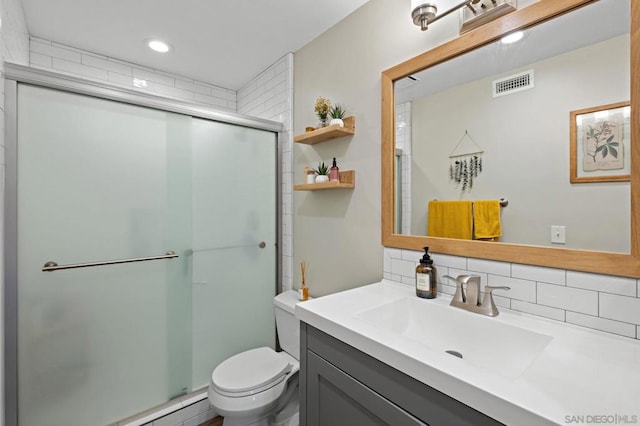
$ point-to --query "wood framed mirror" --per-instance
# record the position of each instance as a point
(594, 259)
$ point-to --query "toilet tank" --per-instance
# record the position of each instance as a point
(287, 324)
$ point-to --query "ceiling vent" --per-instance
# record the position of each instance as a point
(408, 81)
(513, 83)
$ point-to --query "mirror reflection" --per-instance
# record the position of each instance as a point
(494, 124)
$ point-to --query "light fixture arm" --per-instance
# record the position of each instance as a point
(426, 13)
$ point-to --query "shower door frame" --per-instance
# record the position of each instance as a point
(15, 74)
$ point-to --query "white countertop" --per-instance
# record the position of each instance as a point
(582, 376)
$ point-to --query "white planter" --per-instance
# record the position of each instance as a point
(322, 178)
(337, 121)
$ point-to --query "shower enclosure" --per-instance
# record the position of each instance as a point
(141, 248)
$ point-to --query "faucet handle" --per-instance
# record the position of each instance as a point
(490, 288)
(491, 310)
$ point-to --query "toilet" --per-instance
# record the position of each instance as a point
(259, 387)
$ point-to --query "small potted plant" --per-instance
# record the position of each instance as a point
(322, 108)
(337, 113)
(322, 173)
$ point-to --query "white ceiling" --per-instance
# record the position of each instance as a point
(222, 42)
(563, 34)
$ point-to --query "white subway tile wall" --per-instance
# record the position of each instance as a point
(15, 34)
(49, 55)
(270, 95)
(403, 143)
(602, 302)
(190, 410)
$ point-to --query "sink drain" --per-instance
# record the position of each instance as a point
(455, 353)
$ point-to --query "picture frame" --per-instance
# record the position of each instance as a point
(599, 143)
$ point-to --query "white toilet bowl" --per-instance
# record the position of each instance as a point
(259, 387)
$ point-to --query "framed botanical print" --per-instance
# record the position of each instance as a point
(600, 139)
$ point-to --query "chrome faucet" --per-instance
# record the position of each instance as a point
(469, 299)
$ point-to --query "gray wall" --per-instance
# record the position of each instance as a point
(526, 160)
(338, 232)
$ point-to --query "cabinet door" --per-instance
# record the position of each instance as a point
(335, 398)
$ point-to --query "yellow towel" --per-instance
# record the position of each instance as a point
(486, 219)
(450, 219)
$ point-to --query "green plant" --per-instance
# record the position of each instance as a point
(322, 169)
(337, 111)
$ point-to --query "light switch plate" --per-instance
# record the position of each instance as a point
(558, 234)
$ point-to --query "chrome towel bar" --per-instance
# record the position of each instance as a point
(53, 266)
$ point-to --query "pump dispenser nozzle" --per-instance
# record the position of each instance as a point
(426, 258)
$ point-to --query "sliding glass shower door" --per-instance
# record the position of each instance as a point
(234, 263)
(100, 181)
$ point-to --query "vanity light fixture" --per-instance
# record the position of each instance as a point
(474, 12)
(158, 45)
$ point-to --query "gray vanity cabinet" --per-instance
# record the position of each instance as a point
(340, 385)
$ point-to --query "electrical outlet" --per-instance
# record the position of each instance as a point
(558, 234)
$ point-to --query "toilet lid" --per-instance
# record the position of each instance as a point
(249, 370)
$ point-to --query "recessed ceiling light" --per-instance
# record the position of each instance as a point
(512, 38)
(158, 46)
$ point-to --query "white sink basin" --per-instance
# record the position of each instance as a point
(481, 341)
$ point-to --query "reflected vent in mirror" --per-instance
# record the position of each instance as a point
(407, 82)
(513, 83)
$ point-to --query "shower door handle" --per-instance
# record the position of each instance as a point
(53, 266)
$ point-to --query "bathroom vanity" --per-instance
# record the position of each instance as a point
(343, 385)
(377, 354)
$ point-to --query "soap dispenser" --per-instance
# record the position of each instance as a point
(426, 278)
(334, 173)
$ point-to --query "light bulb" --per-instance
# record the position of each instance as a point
(512, 38)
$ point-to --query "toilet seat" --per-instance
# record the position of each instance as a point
(250, 372)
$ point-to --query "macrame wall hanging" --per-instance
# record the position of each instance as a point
(465, 162)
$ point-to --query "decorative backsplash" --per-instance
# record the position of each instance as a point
(602, 302)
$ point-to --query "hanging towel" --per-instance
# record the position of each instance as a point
(450, 219)
(486, 219)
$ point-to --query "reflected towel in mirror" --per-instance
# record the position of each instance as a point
(486, 219)
(450, 219)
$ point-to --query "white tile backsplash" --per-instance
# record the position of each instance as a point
(448, 261)
(502, 302)
(539, 273)
(403, 268)
(605, 283)
(524, 290)
(620, 308)
(602, 324)
(570, 299)
(602, 302)
(489, 267)
(539, 310)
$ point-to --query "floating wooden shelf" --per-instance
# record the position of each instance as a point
(324, 134)
(347, 181)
